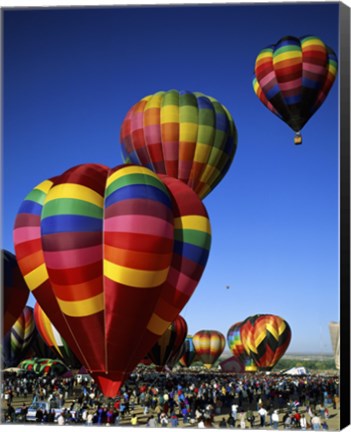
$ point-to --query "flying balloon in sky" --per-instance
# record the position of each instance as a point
(112, 256)
(265, 338)
(15, 292)
(293, 77)
(189, 136)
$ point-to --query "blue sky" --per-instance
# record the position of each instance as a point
(70, 76)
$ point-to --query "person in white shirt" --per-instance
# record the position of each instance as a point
(60, 420)
(275, 419)
(262, 413)
(303, 422)
(234, 410)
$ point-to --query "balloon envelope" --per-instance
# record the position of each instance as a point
(18, 340)
(265, 339)
(189, 352)
(53, 339)
(209, 345)
(189, 136)
(112, 256)
(293, 77)
(14, 289)
(165, 351)
(236, 346)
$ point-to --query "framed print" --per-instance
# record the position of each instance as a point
(176, 216)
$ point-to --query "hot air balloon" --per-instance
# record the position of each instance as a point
(265, 339)
(53, 339)
(112, 256)
(43, 366)
(237, 348)
(293, 77)
(166, 349)
(188, 136)
(18, 340)
(189, 352)
(209, 345)
(15, 290)
(39, 348)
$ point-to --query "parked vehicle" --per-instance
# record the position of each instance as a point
(55, 405)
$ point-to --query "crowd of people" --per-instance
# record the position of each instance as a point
(183, 398)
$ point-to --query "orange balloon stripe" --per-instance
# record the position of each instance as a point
(30, 262)
(135, 259)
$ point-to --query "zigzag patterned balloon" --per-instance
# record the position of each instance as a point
(265, 339)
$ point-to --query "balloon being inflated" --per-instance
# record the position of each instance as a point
(112, 256)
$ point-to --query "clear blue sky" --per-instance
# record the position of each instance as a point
(70, 76)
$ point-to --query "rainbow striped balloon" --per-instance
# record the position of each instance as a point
(189, 136)
(111, 256)
(209, 345)
(236, 346)
(17, 341)
(265, 339)
(293, 77)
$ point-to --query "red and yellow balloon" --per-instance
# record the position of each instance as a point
(209, 345)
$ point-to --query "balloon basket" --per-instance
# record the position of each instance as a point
(298, 139)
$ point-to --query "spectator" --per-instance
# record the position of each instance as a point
(262, 412)
(275, 419)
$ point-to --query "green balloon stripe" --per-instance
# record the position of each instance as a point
(193, 237)
(71, 206)
(37, 196)
(137, 179)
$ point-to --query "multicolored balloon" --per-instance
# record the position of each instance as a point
(14, 289)
(189, 352)
(265, 339)
(188, 136)
(293, 77)
(209, 345)
(165, 350)
(236, 346)
(53, 339)
(112, 256)
(17, 341)
(43, 366)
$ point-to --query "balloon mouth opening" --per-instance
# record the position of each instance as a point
(109, 383)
